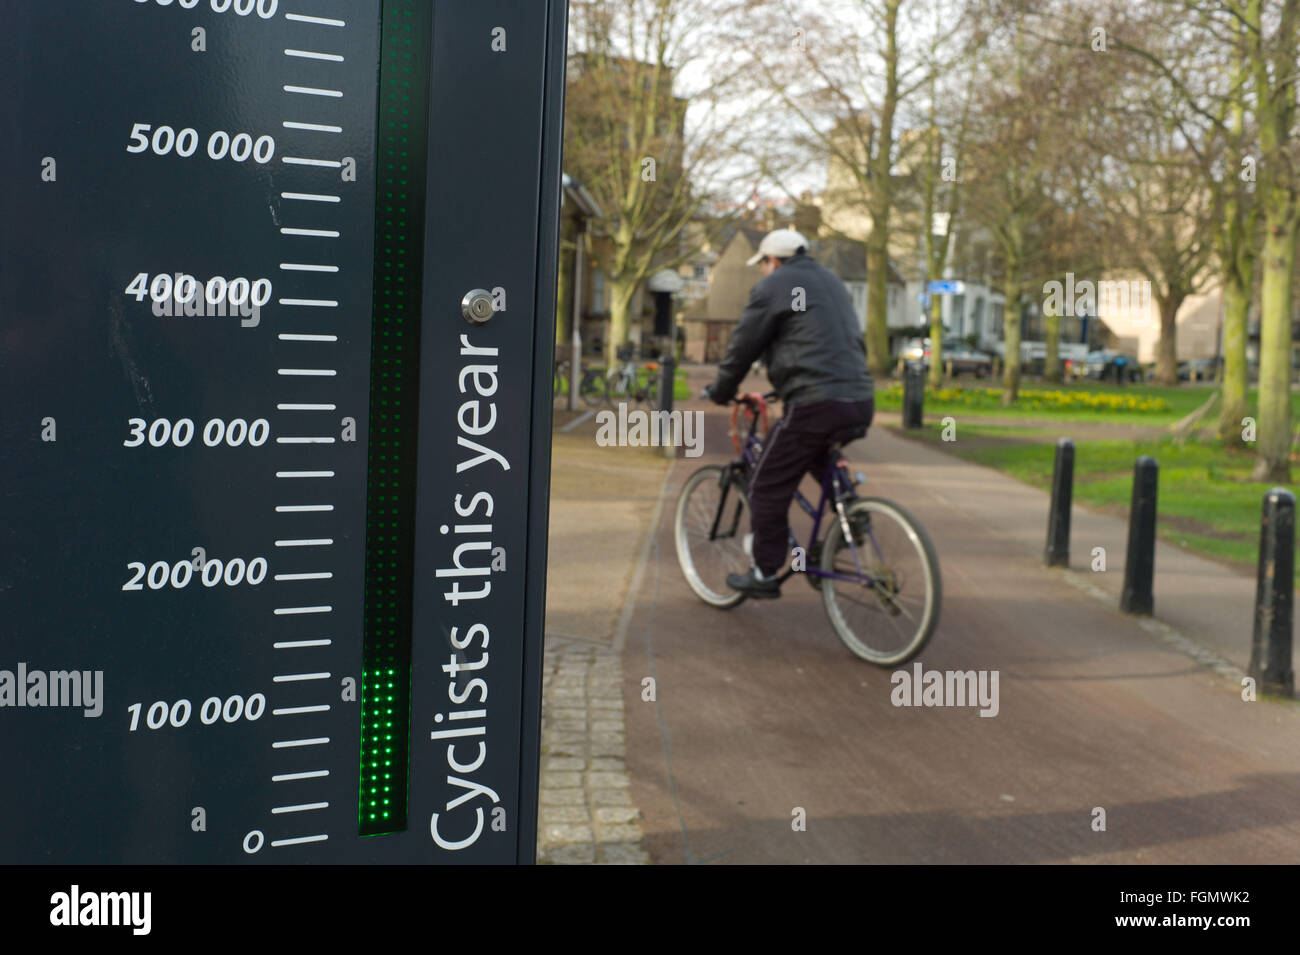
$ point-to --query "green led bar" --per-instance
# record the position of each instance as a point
(394, 383)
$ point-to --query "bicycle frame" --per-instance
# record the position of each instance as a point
(626, 380)
(836, 487)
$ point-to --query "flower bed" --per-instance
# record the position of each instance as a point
(1033, 399)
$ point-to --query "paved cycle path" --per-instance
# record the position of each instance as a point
(762, 717)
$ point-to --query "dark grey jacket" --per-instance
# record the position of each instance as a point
(811, 353)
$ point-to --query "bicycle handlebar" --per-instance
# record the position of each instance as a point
(742, 399)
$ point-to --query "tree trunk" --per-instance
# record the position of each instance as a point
(564, 295)
(1052, 334)
(621, 293)
(936, 341)
(1236, 313)
(878, 301)
(1167, 347)
(1273, 462)
(1011, 333)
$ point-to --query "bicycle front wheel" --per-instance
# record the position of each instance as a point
(709, 529)
(621, 388)
(885, 595)
(652, 392)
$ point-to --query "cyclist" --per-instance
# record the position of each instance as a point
(800, 320)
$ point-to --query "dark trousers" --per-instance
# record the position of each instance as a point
(797, 445)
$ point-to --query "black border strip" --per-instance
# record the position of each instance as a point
(539, 478)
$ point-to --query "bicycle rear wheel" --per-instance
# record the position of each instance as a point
(594, 389)
(884, 603)
(709, 530)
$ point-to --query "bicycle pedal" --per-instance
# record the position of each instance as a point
(814, 559)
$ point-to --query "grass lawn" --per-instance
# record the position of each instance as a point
(1206, 501)
(1091, 401)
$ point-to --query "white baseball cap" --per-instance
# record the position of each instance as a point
(782, 243)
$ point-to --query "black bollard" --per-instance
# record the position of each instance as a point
(1140, 564)
(1057, 553)
(1270, 645)
(667, 372)
(913, 396)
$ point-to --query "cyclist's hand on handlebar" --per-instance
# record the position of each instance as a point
(708, 393)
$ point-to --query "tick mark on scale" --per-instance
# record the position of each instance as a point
(301, 808)
(295, 710)
(311, 55)
(309, 196)
(323, 233)
(294, 644)
(312, 127)
(315, 542)
(283, 611)
(288, 743)
(324, 372)
(298, 841)
(323, 575)
(296, 677)
(313, 91)
(301, 508)
(300, 161)
(323, 21)
(304, 474)
(310, 774)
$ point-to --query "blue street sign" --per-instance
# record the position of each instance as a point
(947, 286)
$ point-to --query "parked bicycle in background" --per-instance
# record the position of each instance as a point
(628, 383)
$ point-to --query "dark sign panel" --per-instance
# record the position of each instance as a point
(274, 277)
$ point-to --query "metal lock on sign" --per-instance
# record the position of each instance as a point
(477, 306)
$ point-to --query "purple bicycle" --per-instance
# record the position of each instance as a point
(875, 567)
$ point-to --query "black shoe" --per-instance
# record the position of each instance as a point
(766, 589)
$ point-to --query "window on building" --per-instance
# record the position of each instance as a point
(597, 291)
(701, 272)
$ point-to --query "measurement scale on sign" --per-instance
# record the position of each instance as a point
(301, 149)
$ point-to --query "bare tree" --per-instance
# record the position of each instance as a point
(1159, 213)
(936, 177)
(651, 129)
(842, 71)
(1250, 97)
(1023, 126)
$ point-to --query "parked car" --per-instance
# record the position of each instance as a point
(965, 360)
(1107, 365)
(1202, 369)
